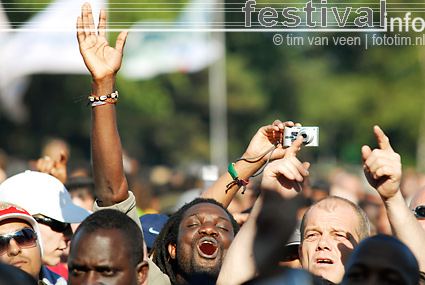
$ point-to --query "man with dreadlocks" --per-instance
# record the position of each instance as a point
(192, 244)
(194, 241)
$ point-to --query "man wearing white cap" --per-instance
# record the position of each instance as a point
(20, 243)
(48, 201)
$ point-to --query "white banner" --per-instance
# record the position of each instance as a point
(47, 43)
(148, 54)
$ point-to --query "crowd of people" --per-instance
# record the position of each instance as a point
(291, 229)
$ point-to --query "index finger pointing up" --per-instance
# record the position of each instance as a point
(383, 141)
(295, 147)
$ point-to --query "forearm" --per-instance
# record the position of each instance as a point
(263, 146)
(219, 191)
(110, 182)
(239, 264)
(405, 227)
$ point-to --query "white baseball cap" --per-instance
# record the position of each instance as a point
(41, 193)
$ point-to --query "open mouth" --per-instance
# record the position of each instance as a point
(207, 248)
(324, 261)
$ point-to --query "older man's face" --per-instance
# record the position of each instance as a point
(26, 256)
(329, 238)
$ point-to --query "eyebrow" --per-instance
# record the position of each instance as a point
(104, 267)
(333, 229)
(17, 230)
(215, 216)
(311, 228)
(337, 229)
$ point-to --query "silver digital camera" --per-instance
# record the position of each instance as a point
(310, 136)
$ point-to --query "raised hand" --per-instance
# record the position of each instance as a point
(286, 175)
(53, 167)
(382, 166)
(265, 138)
(101, 59)
(253, 159)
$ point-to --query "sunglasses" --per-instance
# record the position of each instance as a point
(290, 253)
(290, 257)
(419, 211)
(25, 238)
(53, 224)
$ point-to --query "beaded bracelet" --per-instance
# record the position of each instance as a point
(236, 180)
(94, 104)
(96, 100)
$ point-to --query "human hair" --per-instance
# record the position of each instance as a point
(169, 233)
(112, 219)
(330, 203)
(80, 185)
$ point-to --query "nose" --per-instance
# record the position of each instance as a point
(14, 249)
(65, 239)
(91, 278)
(323, 243)
(208, 228)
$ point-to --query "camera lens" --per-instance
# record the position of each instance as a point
(306, 137)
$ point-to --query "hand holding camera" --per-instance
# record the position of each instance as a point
(310, 136)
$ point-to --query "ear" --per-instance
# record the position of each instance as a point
(63, 158)
(172, 250)
(142, 269)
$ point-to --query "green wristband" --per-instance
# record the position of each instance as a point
(232, 171)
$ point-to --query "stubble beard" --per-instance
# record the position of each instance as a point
(193, 271)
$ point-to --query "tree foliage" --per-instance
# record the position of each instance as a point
(344, 90)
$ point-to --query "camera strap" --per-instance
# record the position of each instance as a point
(259, 171)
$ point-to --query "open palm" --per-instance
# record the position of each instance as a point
(100, 58)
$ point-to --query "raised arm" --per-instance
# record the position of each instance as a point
(284, 176)
(103, 62)
(265, 138)
(382, 168)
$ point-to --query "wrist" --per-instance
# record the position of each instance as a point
(394, 200)
(104, 85)
(248, 168)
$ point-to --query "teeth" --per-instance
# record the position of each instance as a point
(324, 261)
(208, 247)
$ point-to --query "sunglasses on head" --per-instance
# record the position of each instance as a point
(419, 211)
(53, 224)
(25, 238)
